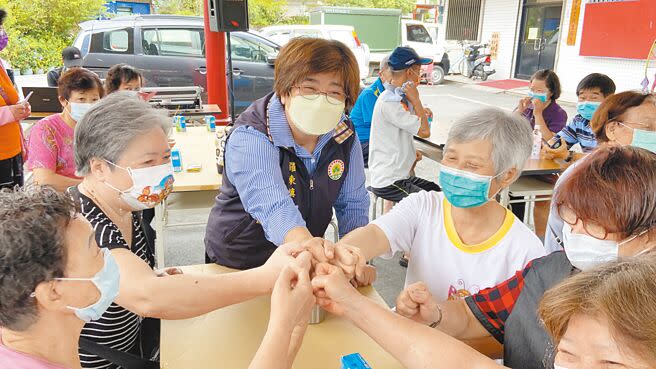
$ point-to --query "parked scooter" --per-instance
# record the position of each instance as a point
(477, 62)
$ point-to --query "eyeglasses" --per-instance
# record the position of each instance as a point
(311, 93)
(591, 227)
(643, 126)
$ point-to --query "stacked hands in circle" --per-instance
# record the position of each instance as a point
(327, 274)
(316, 272)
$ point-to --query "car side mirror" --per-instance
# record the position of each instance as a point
(271, 59)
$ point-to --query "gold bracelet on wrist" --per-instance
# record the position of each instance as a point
(439, 319)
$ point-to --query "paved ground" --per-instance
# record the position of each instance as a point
(448, 101)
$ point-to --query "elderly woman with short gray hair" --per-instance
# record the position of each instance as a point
(123, 155)
(460, 240)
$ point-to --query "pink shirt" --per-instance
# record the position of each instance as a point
(10, 359)
(51, 146)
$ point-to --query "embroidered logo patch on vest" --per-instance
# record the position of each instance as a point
(336, 169)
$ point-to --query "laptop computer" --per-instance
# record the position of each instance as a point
(44, 99)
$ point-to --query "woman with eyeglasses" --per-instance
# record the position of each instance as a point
(608, 203)
(627, 118)
(291, 159)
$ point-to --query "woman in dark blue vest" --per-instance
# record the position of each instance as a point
(291, 158)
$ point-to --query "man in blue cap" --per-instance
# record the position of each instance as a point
(398, 116)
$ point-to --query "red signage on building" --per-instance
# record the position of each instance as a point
(618, 28)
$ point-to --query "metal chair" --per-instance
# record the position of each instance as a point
(374, 204)
(531, 190)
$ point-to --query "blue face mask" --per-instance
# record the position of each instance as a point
(77, 110)
(541, 97)
(465, 189)
(107, 281)
(643, 139)
(587, 109)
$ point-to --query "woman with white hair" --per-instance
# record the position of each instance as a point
(461, 240)
(122, 154)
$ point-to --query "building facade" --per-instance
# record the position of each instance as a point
(572, 37)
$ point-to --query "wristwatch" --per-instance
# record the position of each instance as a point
(439, 319)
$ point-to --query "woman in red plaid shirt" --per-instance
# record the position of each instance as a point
(608, 204)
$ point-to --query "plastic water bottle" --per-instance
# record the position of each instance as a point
(176, 159)
(537, 143)
(210, 122)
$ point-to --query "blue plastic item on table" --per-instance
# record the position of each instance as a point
(210, 122)
(176, 159)
(180, 123)
(354, 361)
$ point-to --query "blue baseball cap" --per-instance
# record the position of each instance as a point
(404, 57)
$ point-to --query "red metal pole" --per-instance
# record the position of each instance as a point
(215, 54)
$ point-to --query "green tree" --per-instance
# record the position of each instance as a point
(180, 7)
(261, 13)
(406, 6)
(39, 29)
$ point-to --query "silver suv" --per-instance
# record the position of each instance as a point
(170, 51)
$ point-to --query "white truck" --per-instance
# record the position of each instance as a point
(383, 30)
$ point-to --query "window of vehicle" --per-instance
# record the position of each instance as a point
(345, 37)
(118, 41)
(82, 42)
(418, 33)
(174, 42)
(250, 49)
(281, 37)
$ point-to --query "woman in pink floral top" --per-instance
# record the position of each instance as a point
(50, 144)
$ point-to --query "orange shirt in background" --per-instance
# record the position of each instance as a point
(10, 133)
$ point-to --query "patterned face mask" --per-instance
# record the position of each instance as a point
(150, 186)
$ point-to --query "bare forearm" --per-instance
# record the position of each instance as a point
(424, 128)
(413, 344)
(458, 321)
(57, 181)
(539, 121)
(370, 239)
(274, 350)
(298, 234)
(188, 295)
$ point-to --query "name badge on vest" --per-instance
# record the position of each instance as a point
(336, 169)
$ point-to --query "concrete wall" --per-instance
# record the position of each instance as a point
(571, 67)
(501, 16)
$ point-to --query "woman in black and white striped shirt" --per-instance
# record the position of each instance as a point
(122, 152)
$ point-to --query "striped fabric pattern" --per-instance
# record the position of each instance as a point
(118, 328)
(578, 131)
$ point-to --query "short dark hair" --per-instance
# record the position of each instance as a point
(32, 227)
(78, 79)
(304, 56)
(550, 79)
(3, 15)
(596, 80)
(118, 74)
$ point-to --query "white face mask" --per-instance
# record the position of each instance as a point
(150, 186)
(559, 367)
(315, 116)
(586, 252)
(78, 110)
